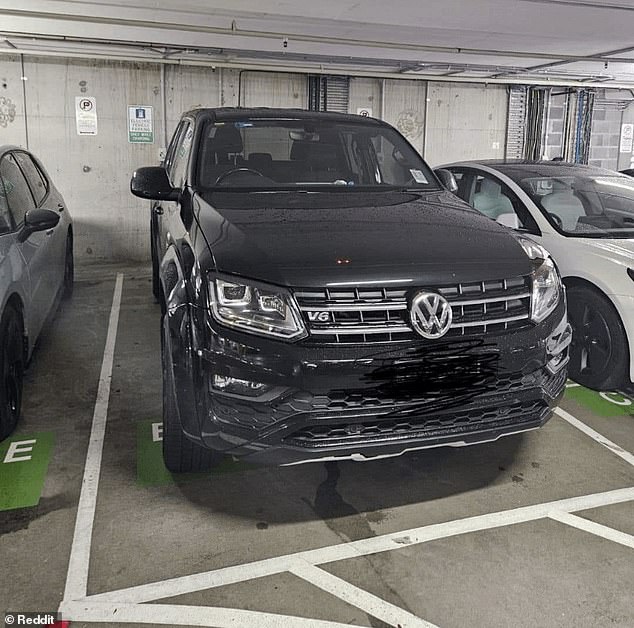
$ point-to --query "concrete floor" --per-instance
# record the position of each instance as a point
(377, 560)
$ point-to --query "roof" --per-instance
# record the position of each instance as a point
(240, 113)
(543, 168)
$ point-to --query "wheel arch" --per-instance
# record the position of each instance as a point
(579, 282)
(15, 301)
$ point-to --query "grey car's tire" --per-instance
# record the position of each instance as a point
(599, 356)
(69, 269)
(180, 454)
(11, 369)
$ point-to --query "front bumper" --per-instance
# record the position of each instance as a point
(372, 401)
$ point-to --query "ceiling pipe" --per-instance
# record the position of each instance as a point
(234, 31)
(318, 69)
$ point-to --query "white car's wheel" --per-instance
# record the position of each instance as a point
(599, 349)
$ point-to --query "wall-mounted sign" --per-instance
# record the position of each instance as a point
(366, 112)
(140, 125)
(627, 138)
(86, 115)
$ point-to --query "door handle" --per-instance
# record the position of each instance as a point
(60, 207)
(158, 210)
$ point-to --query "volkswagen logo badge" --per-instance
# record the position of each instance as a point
(431, 315)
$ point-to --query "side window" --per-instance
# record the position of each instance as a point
(171, 150)
(181, 156)
(496, 200)
(16, 191)
(35, 178)
(6, 223)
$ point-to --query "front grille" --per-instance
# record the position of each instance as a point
(360, 314)
(383, 403)
(453, 423)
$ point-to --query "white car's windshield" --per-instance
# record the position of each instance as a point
(265, 154)
(585, 206)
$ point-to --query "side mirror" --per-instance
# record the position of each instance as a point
(153, 183)
(447, 179)
(509, 220)
(38, 220)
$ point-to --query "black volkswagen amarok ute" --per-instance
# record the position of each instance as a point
(324, 297)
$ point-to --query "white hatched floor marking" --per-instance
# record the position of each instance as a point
(181, 615)
(127, 605)
(367, 602)
(354, 549)
(594, 435)
(77, 576)
(597, 529)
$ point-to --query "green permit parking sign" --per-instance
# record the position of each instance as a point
(140, 124)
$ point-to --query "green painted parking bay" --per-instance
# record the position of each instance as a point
(150, 468)
(23, 464)
(604, 404)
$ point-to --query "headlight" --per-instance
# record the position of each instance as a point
(255, 308)
(547, 288)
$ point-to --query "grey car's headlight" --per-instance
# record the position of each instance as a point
(256, 308)
(547, 290)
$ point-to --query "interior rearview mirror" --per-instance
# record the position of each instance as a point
(153, 183)
(38, 220)
(447, 179)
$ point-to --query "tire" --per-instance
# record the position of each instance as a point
(180, 454)
(11, 370)
(599, 355)
(69, 269)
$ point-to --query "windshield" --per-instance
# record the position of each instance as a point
(585, 206)
(276, 154)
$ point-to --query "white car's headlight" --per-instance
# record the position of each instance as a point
(547, 289)
(256, 308)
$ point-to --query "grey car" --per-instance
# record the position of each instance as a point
(36, 266)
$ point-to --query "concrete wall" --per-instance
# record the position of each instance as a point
(443, 121)
(366, 93)
(92, 172)
(270, 89)
(465, 121)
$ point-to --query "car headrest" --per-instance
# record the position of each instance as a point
(490, 188)
(227, 139)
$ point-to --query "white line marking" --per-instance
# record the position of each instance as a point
(367, 602)
(363, 547)
(594, 528)
(181, 615)
(77, 577)
(573, 385)
(599, 438)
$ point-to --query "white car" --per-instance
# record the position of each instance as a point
(585, 217)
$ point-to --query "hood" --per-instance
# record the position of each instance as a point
(314, 239)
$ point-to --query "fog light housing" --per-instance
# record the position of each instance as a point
(236, 386)
(558, 350)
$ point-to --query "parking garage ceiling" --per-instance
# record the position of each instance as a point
(555, 42)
